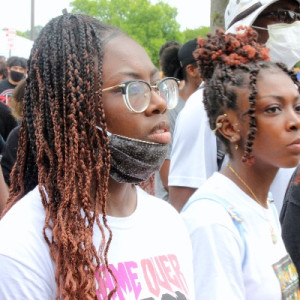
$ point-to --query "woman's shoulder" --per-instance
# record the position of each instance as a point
(209, 205)
(25, 218)
(23, 249)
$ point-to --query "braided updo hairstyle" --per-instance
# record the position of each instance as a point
(61, 150)
(227, 62)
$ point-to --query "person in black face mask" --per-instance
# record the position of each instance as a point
(17, 69)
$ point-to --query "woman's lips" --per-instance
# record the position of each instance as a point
(161, 136)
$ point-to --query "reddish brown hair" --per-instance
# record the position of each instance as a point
(61, 150)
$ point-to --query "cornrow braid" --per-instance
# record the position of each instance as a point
(61, 150)
(227, 62)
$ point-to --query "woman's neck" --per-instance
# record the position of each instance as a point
(122, 199)
(187, 90)
(254, 180)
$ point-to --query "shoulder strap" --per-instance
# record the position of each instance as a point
(273, 208)
(220, 153)
(235, 216)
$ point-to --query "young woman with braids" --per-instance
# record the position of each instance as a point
(253, 105)
(95, 123)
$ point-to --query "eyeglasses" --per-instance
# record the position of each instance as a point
(137, 93)
(282, 16)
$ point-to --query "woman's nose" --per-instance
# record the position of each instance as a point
(294, 120)
(157, 105)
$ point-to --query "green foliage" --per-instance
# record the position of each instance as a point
(297, 65)
(23, 34)
(26, 34)
(189, 34)
(149, 24)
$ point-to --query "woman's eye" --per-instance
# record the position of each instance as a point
(273, 109)
(297, 108)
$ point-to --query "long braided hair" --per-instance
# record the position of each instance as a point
(227, 62)
(61, 150)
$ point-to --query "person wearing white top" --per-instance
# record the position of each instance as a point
(194, 152)
(225, 267)
(253, 106)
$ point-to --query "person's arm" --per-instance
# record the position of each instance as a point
(194, 152)
(3, 191)
(179, 195)
(291, 233)
(290, 219)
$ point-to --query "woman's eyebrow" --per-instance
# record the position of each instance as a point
(277, 96)
(133, 74)
(154, 72)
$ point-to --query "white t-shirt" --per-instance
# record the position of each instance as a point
(149, 256)
(194, 151)
(227, 265)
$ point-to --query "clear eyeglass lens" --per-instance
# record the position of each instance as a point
(138, 95)
(168, 90)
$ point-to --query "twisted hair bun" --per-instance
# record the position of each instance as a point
(229, 49)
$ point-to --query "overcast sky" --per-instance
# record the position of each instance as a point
(16, 13)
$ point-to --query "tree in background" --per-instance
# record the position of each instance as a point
(189, 34)
(26, 34)
(149, 24)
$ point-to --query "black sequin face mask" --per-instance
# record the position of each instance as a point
(134, 161)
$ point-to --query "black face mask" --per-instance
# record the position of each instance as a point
(134, 161)
(16, 76)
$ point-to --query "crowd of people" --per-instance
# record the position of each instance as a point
(88, 122)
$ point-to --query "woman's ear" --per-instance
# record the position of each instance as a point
(228, 126)
(192, 70)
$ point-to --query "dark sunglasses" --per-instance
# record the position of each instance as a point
(282, 16)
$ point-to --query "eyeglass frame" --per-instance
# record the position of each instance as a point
(275, 13)
(123, 86)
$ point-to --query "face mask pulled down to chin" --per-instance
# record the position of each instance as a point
(284, 43)
(132, 160)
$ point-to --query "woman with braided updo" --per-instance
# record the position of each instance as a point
(76, 225)
(253, 105)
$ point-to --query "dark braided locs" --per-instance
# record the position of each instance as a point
(228, 62)
(61, 150)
